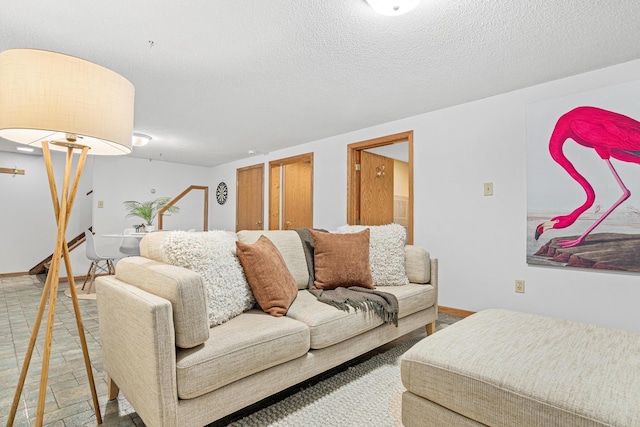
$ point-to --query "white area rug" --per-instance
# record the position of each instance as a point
(82, 294)
(366, 394)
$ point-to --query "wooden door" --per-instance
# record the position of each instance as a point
(250, 198)
(354, 153)
(291, 192)
(275, 172)
(297, 203)
(376, 189)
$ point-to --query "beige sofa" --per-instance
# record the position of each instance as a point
(176, 371)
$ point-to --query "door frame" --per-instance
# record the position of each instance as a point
(275, 190)
(353, 183)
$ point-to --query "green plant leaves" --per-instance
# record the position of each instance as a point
(148, 210)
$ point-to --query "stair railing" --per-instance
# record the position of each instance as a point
(41, 267)
(205, 226)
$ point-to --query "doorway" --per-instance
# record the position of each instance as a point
(380, 181)
(291, 192)
(250, 198)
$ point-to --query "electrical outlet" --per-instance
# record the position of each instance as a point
(488, 188)
(520, 286)
(100, 204)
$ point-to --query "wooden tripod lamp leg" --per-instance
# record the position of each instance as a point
(27, 357)
(83, 339)
(62, 211)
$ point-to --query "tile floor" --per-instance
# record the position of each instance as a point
(68, 402)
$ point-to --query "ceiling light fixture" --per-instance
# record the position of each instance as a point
(257, 152)
(392, 7)
(25, 149)
(140, 139)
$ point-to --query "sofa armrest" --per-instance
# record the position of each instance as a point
(421, 268)
(138, 344)
(433, 281)
(184, 289)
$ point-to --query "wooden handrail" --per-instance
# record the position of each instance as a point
(71, 244)
(12, 171)
(205, 226)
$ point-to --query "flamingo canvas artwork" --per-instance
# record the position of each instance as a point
(584, 182)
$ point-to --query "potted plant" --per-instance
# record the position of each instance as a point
(148, 210)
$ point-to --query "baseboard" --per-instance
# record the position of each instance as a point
(62, 279)
(454, 311)
(76, 278)
(23, 273)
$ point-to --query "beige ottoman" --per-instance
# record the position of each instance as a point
(504, 368)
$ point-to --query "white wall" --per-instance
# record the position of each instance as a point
(27, 221)
(118, 179)
(27, 226)
(480, 241)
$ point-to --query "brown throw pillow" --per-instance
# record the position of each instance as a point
(341, 260)
(269, 278)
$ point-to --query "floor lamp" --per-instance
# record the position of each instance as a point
(67, 104)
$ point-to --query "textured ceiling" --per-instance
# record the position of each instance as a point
(225, 76)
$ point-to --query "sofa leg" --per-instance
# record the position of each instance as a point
(112, 389)
(431, 328)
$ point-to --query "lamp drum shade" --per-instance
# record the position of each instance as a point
(46, 95)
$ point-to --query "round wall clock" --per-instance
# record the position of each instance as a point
(221, 193)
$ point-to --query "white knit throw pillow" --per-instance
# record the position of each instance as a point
(386, 252)
(212, 254)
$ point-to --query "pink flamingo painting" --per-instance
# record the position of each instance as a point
(611, 135)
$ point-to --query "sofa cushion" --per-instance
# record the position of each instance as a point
(386, 252)
(341, 260)
(212, 255)
(327, 324)
(267, 274)
(412, 297)
(151, 245)
(185, 289)
(307, 245)
(290, 246)
(417, 263)
(246, 344)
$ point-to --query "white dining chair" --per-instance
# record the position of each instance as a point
(129, 246)
(97, 261)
